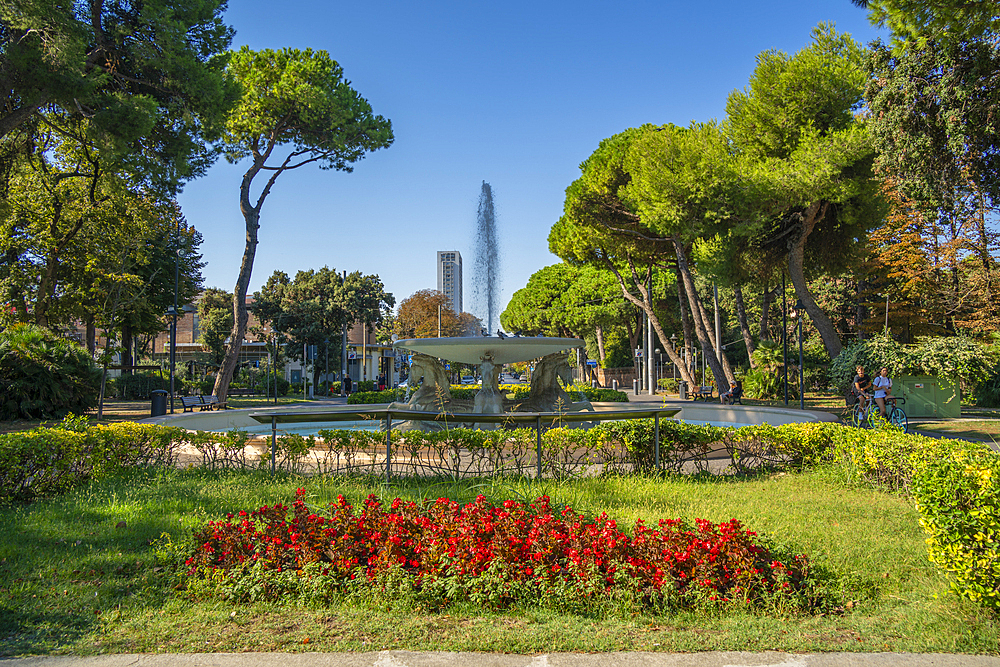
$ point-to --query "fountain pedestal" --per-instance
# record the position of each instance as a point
(490, 354)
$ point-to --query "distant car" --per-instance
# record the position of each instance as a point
(404, 383)
(468, 379)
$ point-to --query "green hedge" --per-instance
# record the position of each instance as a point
(45, 461)
(958, 497)
(139, 386)
(368, 397)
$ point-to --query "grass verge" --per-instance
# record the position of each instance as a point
(76, 579)
(975, 429)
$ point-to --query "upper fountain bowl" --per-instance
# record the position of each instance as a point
(473, 350)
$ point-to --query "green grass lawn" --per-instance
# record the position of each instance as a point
(77, 580)
(977, 429)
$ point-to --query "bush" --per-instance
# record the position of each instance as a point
(140, 385)
(988, 392)
(43, 376)
(367, 397)
(45, 461)
(768, 385)
(946, 356)
(578, 392)
(670, 385)
(958, 499)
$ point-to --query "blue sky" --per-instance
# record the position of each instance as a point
(516, 94)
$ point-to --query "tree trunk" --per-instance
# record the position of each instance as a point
(252, 216)
(599, 334)
(645, 305)
(796, 271)
(716, 348)
(128, 349)
(741, 316)
(766, 299)
(685, 316)
(91, 335)
(703, 339)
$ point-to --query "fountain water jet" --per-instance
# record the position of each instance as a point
(486, 282)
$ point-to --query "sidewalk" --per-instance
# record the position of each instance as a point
(442, 659)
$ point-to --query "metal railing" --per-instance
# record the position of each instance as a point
(386, 415)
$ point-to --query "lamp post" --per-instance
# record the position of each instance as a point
(172, 312)
(799, 308)
(784, 337)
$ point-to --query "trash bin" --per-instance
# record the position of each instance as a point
(158, 406)
(682, 389)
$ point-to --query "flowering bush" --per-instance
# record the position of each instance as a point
(496, 555)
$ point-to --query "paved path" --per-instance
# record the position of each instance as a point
(443, 659)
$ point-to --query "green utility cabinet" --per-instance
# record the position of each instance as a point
(928, 396)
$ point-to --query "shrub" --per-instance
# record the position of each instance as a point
(43, 376)
(988, 392)
(139, 385)
(766, 385)
(494, 555)
(366, 397)
(670, 385)
(944, 356)
(958, 497)
(579, 392)
(45, 461)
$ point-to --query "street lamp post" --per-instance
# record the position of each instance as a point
(799, 308)
(172, 312)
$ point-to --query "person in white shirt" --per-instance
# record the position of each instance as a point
(883, 389)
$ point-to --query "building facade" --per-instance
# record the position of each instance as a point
(449, 277)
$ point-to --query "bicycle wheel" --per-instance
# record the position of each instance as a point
(859, 416)
(898, 418)
(875, 418)
(852, 416)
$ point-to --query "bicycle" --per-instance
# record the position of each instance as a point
(865, 413)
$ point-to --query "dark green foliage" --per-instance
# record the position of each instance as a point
(765, 385)
(934, 120)
(988, 393)
(947, 357)
(43, 376)
(140, 385)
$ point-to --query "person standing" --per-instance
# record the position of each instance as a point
(347, 385)
(883, 389)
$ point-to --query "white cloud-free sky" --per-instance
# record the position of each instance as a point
(515, 93)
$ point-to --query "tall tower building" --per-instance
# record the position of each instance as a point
(449, 270)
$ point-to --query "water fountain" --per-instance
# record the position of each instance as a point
(489, 354)
(486, 277)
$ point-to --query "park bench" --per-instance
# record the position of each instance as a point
(203, 403)
(704, 393)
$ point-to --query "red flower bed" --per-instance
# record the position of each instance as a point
(534, 543)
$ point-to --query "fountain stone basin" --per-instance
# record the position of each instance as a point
(474, 350)
(489, 354)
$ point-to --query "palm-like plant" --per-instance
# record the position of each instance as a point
(43, 376)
